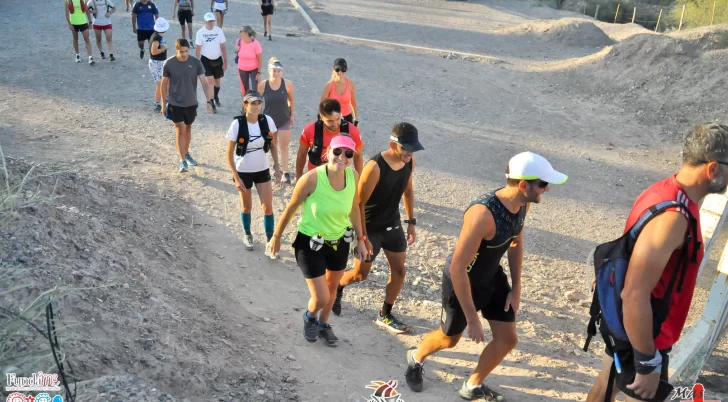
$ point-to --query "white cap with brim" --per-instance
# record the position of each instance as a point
(209, 17)
(161, 25)
(531, 166)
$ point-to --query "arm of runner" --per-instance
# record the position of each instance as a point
(198, 46)
(291, 103)
(133, 19)
(174, 9)
(353, 100)
(409, 205)
(304, 187)
(301, 158)
(155, 49)
(358, 161)
(192, 7)
(209, 93)
(356, 218)
(68, 14)
(224, 56)
(165, 91)
(478, 224)
(259, 56)
(326, 92)
(515, 264)
(369, 180)
(664, 234)
(231, 164)
(261, 87)
(212, 3)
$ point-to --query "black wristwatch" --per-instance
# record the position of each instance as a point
(412, 221)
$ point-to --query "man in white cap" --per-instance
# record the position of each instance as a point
(210, 49)
(473, 279)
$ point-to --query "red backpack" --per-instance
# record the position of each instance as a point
(72, 9)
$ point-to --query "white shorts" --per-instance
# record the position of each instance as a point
(220, 7)
(155, 66)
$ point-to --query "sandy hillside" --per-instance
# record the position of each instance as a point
(188, 314)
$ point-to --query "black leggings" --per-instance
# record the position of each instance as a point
(248, 80)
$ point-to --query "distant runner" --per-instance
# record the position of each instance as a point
(473, 279)
(220, 8)
(75, 11)
(385, 180)
(184, 15)
(342, 89)
(266, 10)
(157, 57)
(101, 11)
(211, 52)
(249, 59)
(179, 97)
(316, 137)
(246, 153)
(278, 96)
(330, 220)
(143, 16)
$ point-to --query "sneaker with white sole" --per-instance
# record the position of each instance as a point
(392, 324)
(481, 392)
(248, 241)
(78, 58)
(183, 168)
(190, 160)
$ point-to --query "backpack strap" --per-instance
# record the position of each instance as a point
(314, 154)
(344, 129)
(651, 213)
(241, 145)
(265, 132)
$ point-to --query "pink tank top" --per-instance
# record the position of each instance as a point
(344, 99)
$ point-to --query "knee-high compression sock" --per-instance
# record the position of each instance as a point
(269, 225)
(217, 91)
(245, 218)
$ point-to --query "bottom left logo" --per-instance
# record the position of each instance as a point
(18, 397)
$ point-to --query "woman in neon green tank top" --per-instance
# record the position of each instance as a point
(330, 220)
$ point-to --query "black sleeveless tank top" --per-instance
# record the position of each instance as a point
(507, 228)
(382, 208)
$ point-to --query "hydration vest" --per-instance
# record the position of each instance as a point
(244, 136)
(314, 154)
(72, 9)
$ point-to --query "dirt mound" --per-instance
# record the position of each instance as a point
(566, 31)
(620, 32)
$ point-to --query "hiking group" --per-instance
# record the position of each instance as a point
(644, 280)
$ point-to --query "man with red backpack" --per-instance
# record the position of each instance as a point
(77, 19)
(645, 279)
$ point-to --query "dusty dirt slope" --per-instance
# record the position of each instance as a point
(226, 322)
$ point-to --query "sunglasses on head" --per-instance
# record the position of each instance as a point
(347, 152)
(539, 183)
(340, 69)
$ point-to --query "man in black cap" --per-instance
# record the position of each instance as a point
(385, 179)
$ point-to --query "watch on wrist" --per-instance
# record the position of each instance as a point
(362, 238)
(412, 221)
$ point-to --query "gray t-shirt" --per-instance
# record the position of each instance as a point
(183, 77)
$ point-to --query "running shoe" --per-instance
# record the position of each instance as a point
(183, 167)
(481, 392)
(157, 107)
(78, 58)
(248, 241)
(111, 57)
(391, 323)
(286, 178)
(141, 53)
(91, 61)
(327, 334)
(270, 37)
(265, 34)
(268, 253)
(310, 326)
(192, 44)
(190, 160)
(102, 56)
(336, 309)
(217, 102)
(414, 372)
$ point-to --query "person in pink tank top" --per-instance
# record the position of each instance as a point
(343, 90)
(249, 59)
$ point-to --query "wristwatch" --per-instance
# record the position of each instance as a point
(360, 238)
(412, 221)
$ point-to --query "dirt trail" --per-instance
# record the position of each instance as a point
(242, 312)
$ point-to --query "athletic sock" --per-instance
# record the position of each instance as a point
(245, 218)
(269, 225)
(321, 324)
(308, 314)
(414, 353)
(217, 91)
(339, 290)
(470, 387)
(386, 309)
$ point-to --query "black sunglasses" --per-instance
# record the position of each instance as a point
(340, 69)
(348, 153)
(539, 183)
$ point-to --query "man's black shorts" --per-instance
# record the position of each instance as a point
(213, 68)
(184, 17)
(314, 264)
(143, 34)
(80, 27)
(181, 114)
(490, 300)
(258, 177)
(391, 239)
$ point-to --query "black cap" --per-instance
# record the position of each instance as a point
(340, 63)
(408, 137)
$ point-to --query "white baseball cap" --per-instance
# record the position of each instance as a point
(531, 166)
(161, 25)
(209, 17)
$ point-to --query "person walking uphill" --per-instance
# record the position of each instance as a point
(473, 279)
(385, 179)
(330, 220)
(211, 51)
(249, 59)
(316, 137)
(77, 19)
(267, 8)
(102, 11)
(278, 96)
(143, 16)
(184, 15)
(662, 270)
(179, 97)
(250, 137)
(343, 90)
(157, 57)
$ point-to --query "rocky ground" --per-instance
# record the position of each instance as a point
(172, 306)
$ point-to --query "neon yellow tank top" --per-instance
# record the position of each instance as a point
(326, 211)
(78, 17)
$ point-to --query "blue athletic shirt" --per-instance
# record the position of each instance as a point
(145, 15)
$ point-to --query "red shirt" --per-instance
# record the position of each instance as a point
(307, 139)
(665, 190)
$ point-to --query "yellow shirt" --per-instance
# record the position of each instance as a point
(78, 17)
